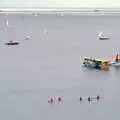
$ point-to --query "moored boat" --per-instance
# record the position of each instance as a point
(96, 63)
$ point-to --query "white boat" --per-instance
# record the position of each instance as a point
(102, 36)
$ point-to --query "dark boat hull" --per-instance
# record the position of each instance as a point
(104, 38)
(14, 43)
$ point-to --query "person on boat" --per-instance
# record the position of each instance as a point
(89, 99)
(11, 41)
(98, 97)
(51, 101)
(59, 100)
(81, 99)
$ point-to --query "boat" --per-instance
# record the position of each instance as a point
(12, 43)
(102, 36)
(96, 63)
(116, 62)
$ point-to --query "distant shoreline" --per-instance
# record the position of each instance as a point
(61, 10)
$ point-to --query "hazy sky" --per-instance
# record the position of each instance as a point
(62, 3)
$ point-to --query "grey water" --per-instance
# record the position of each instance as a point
(50, 65)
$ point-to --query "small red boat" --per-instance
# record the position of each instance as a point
(12, 43)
